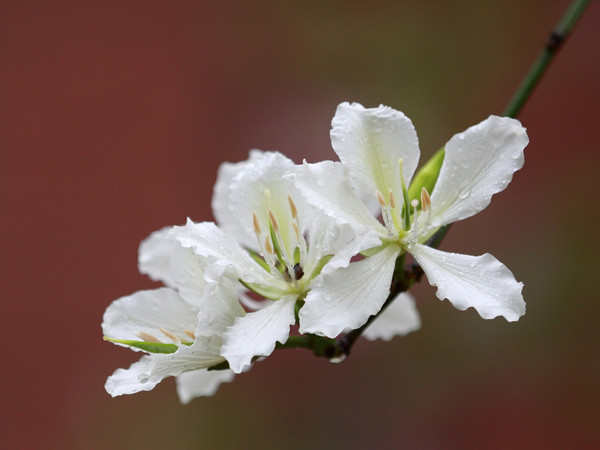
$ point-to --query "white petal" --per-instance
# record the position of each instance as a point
(325, 186)
(219, 308)
(340, 241)
(201, 383)
(150, 370)
(223, 254)
(163, 258)
(345, 299)
(256, 333)
(148, 312)
(370, 142)
(240, 193)
(478, 163)
(398, 319)
(482, 282)
(132, 380)
(220, 198)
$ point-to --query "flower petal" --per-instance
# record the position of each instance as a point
(482, 282)
(256, 333)
(370, 142)
(240, 193)
(223, 254)
(149, 312)
(325, 187)
(150, 370)
(220, 306)
(163, 258)
(478, 163)
(132, 380)
(339, 241)
(345, 299)
(399, 318)
(201, 383)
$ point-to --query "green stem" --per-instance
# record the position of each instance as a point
(532, 79)
(555, 41)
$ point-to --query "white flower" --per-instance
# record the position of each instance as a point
(379, 151)
(274, 243)
(398, 319)
(180, 327)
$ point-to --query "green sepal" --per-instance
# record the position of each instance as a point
(256, 257)
(150, 347)
(265, 291)
(426, 176)
(324, 260)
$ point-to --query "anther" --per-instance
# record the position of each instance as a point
(256, 225)
(268, 245)
(293, 207)
(190, 334)
(296, 230)
(273, 221)
(392, 200)
(147, 337)
(380, 198)
(298, 272)
(425, 199)
(169, 335)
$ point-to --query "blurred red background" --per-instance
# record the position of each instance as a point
(114, 119)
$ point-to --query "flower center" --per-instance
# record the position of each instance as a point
(282, 249)
(400, 219)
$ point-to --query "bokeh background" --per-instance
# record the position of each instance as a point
(113, 121)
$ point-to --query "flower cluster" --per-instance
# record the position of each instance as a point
(314, 245)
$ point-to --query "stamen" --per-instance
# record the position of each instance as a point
(190, 334)
(392, 201)
(293, 207)
(415, 204)
(257, 229)
(147, 337)
(273, 221)
(425, 200)
(268, 246)
(380, 199)
(169, 335)
(301, 241)
(387, 218)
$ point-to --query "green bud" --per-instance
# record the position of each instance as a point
(426, 176)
